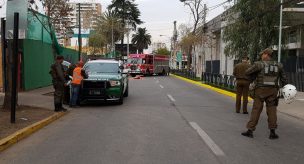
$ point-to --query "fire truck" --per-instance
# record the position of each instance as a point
(147, 64)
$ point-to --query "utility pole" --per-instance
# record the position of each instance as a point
(4, 46)
(112, 33)
(204, 22)
(79, 33)
(128, 39)
(280, 32)
(14, 67)
(173, 53)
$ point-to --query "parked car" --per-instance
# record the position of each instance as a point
(106, 82)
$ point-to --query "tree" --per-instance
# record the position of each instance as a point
(107, 24)
(188, 39)
(96, 43)
(128, 12)
(57, 12)
(253, 27)
(198, 11)
(163, 51)
(88, 17)
(141, 39)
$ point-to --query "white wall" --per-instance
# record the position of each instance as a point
(74, 42)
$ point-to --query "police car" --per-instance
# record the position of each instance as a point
(106, 82)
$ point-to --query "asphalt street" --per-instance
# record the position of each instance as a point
(164, 120)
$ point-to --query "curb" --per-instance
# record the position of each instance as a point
(218, 90)
(23, 133)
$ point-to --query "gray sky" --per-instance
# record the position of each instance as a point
(159, 15)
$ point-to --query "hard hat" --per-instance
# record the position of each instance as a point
(289, 92)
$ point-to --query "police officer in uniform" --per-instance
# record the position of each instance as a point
(270, 76)
(58, 80)
(242, 84)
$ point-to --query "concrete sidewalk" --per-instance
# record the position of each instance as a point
(295, 109)
(37, 98)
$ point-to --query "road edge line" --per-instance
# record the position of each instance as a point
(27, 131)
(218, 90)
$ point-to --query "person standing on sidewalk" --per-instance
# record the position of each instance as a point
(242, 84)
(67, 89)
(78, 76)
(58, 80)
(270, 75)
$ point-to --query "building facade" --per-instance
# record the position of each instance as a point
(89, 11)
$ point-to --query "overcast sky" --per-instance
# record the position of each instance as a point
(159, 15)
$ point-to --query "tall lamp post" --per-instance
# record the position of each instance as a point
(79, 33)
(280, 32)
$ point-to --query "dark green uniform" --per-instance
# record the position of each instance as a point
(270, 76)
(242, 85)
(57, 73)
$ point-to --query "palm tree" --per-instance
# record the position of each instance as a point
(128, 12)
(108, 28)
(141, 39)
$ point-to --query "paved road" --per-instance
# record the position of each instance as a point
(164, 120)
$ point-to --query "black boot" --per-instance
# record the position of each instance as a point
(273, 135)
(248, 133)
(57, 108)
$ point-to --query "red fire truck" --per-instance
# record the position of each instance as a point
(147, 64)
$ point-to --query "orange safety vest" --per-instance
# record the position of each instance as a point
(77, 78)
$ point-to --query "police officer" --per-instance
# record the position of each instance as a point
(242, 84)
(270, 76)
(57, 73)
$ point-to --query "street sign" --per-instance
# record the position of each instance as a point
(10, 34)
(21, 7)
(179, 56)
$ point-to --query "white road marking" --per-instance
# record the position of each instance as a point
(215, 149)
(300, 99)
(154, 78)
(171, 98)
(162, 87)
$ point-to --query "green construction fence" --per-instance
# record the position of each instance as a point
(38, 54)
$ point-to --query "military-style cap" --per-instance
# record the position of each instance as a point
(268, 51)
(245, 57)
(59, 57)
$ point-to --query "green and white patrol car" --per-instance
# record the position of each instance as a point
(106, 82)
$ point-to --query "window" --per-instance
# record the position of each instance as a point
(102, 67)
(292, 36)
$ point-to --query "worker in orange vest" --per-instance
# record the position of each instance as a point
(78, 76)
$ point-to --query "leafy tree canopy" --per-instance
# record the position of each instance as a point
(127, 11)
(141, 39)
(252, 27)
(163, 51)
